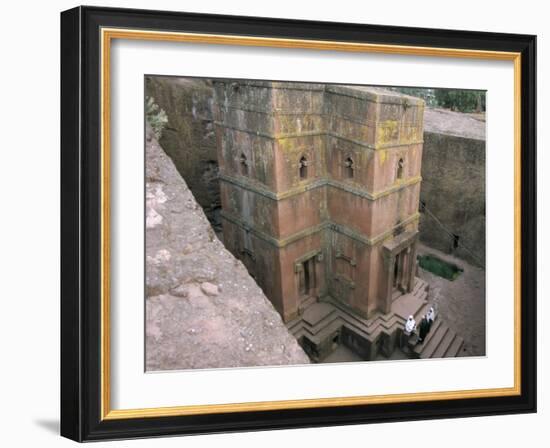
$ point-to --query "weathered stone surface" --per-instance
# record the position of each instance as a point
(453, 187)
(452, 158)
(203, 310)
(210, 289)
(314, 180)
(189, 137)
(443, 121)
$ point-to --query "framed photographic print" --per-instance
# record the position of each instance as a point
(272, 223)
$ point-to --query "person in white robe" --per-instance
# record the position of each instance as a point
(410, 326)
(431, 315)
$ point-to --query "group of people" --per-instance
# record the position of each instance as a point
(423, 328)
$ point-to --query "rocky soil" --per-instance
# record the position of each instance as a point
(460, 302)
(203, 310)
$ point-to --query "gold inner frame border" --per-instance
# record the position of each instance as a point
(107, 36)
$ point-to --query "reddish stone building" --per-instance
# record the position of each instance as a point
(320, 190)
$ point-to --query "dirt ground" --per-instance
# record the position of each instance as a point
(460, 302)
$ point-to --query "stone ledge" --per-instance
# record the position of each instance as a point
(318, 183)
(320, 133)
(375, 94)
(326, 225)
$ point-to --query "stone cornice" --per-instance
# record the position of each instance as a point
(319, 133)
(326, 225)
(327, 116)
(318, 183)
(276, 85)
(375, 95)
(376, 147)
(350, 188)
(272, 112)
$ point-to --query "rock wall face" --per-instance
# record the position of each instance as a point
(203, 310)
(453, 185)
(189, 137)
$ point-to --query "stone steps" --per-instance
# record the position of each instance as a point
(318, 315)
(441, 342)
(336, 319)
(325, 332)
(321, 320)
(308, 302)
(455, 349)
(420, 286)
(444, 345)
(369, 328)
(312, 331)
(417, 349)
(429, 348)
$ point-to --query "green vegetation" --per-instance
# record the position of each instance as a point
(439, 267)
(456, 100)
(460, 100)
(156, 116)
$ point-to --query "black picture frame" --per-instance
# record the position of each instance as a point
(81, 224)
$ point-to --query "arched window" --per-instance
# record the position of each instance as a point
(400, 169)
(244, 165)
(303, 167)
(348, 168)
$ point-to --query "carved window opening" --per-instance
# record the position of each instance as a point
(349, 168)
(303, 167)
(244, 165)
(400, 169)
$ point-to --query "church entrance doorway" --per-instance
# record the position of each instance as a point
(308, 278)
(400, 271)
